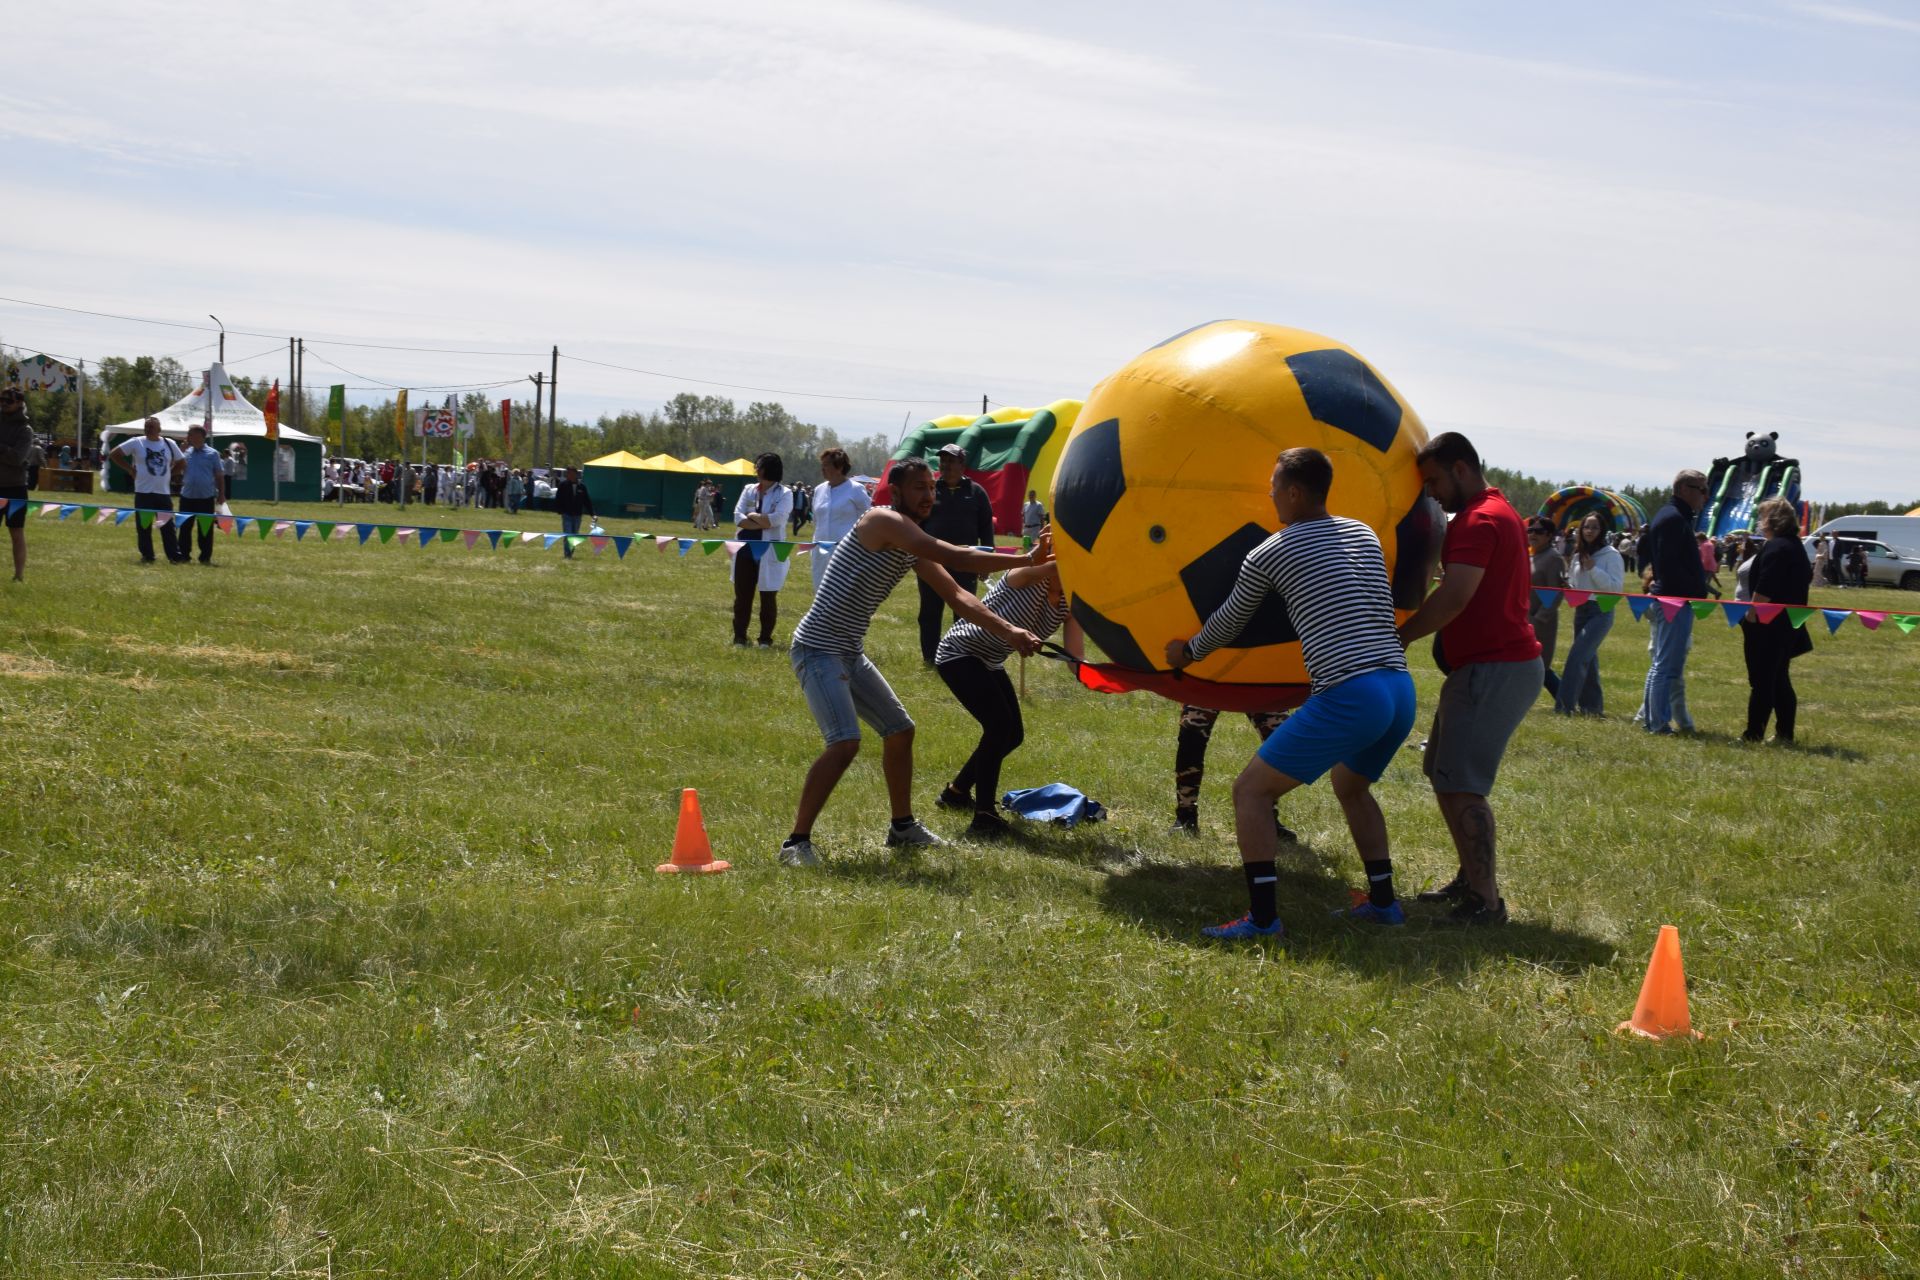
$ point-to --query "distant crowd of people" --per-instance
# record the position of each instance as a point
(483, 482)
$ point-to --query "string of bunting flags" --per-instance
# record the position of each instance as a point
(1735, 611)
(422, 535)
(425, 535)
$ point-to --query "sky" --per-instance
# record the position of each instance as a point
(1603, 241)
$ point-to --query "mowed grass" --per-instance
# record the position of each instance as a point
(331, 946)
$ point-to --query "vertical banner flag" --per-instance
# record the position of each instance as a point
(273, 411)
(336, 413)
(400, 419)
(506, 428)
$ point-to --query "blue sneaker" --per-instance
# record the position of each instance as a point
(1244, 930)
(1365, 912)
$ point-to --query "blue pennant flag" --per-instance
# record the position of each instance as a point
(14, 504)
(493, 536)
(1736, 613)
(119, 517)
(759, 549)
(67, 510)
(428, 535)
(240, 524)
(1835, 617)
(1639, 605)
(621, 545)
(686, 545)
(300, 528)
(365, 531)
(1547, 597)
(550, 539)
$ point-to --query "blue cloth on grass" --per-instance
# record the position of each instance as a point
(1055, 802)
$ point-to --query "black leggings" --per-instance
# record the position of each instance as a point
(1770, 692)
(988, 696)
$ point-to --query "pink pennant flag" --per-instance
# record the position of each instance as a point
(663, 542)
(1870, 618)
(1671, 606)
(403, 534)
(1577, 598)
(529, 537)
(599, 544)
(470, 536)
(280, 528)
(164, 518)
(733, 547)
(104, 516)
(1767, 612)
(53, 509)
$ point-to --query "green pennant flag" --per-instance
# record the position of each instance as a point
(781, 550)
(1798, 617)
(266, 527)
(326, 530)
(145, 518)
(206, 525)
(448, 535)
(710, 545)
(386, 532)
(1906, 622)
(574, 540)
(1606, 602)
(1702, 608)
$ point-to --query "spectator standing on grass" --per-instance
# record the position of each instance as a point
(1033, 516)
(838, 504)
(153, 461)
(1595, 566)
(1627, 548)
(962, 516)
(841, 684)
(802, 509)
(972, 663)
(517, 493)
(16, 449)
(1781, 575)
(1492, 659)
(572, 501)
(1671, 566)
(1331, 576)
(760, 516)
(1548, 570)
(203, 487)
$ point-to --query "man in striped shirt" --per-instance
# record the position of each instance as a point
(1331, 576)
(841, 684)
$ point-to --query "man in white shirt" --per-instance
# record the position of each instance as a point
(1033, 516)
(153, 461)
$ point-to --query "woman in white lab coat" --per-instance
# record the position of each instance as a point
(760, 516)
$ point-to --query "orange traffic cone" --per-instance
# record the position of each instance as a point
(691, 852)
(1661, 1011)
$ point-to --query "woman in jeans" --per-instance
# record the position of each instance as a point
(1594, 566)
(972, 662)
(1781, 575)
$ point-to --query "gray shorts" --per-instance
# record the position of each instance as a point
(1481, 704)
(844, 689)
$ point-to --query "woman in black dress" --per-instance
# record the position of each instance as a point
(1780, 575)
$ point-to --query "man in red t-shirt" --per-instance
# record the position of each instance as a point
(1492, 660)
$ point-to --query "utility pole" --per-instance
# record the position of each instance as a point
(538, 381)
(983, 406)
(223, 338)
(553, 404)
(300, 384)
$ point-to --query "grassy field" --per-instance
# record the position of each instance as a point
(331, 946)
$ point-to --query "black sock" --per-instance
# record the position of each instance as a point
(796, 838)
(901, 824)
(1261, 882)
(1380, 882)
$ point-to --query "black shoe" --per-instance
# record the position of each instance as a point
(1284, 832)
(987, 826)
(1474, 913)
(1185, 824)
(952, 797)
(1452, 891)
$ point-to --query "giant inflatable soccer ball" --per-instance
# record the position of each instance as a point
(1162, 488)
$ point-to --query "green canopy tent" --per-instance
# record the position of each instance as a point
(623, 485)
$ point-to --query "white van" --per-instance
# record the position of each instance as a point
(1902, 532)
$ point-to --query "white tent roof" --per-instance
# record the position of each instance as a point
(233, 415)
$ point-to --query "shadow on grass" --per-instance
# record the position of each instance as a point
(1175, 899)
(900, 869)
(1829, 750)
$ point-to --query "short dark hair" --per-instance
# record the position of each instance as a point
(839, 458)
(1448, 448)
(1311, 469)
(769, 466)
(905, 467)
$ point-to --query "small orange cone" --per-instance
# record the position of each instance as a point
(1661, 1011)
(691, 852)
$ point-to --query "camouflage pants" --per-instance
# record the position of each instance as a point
(1190, 751)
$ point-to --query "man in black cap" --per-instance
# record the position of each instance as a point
(963, 516)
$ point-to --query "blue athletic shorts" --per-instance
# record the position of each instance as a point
(1359, 723)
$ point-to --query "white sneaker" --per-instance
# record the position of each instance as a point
(917, 834)
(799, 854)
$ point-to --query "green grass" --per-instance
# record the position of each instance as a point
(331, 945)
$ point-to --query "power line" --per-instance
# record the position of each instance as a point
(771, 391)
